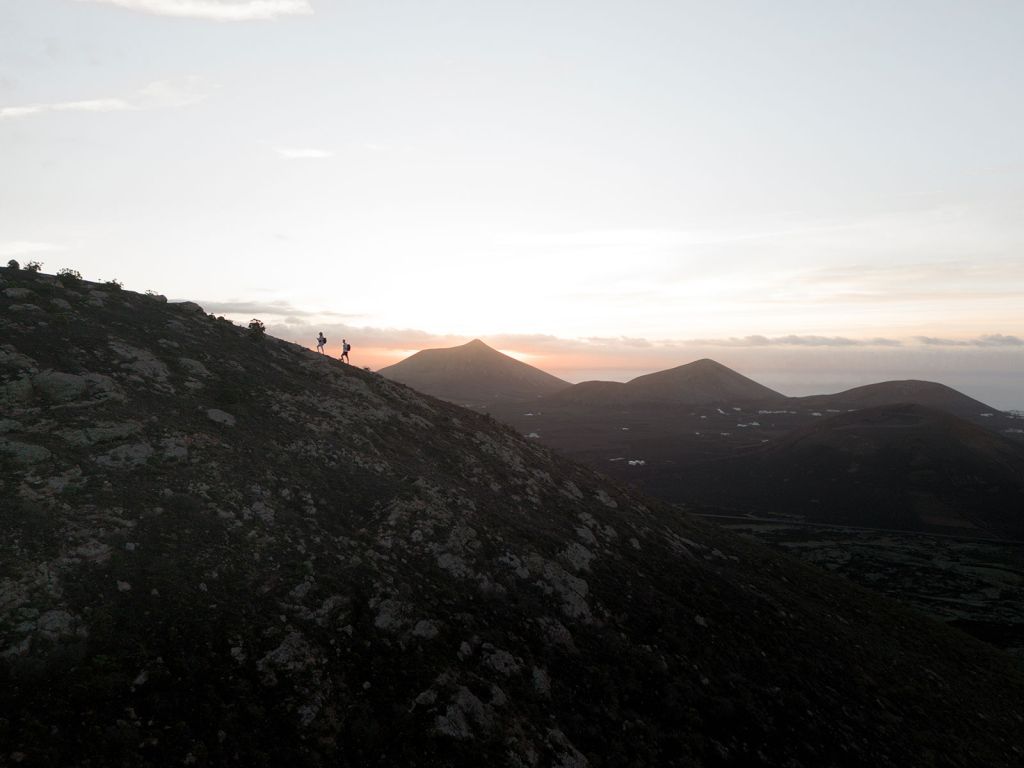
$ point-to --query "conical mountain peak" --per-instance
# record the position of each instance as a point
(473, 374)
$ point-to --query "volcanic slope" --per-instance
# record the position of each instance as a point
(899, 466)
(473, 374)
(701, 382)
(927, 393)
(218, 548)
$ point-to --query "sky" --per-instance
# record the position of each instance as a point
(819, 194)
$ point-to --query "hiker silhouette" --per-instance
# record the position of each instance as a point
(320, 341)
(345, 347)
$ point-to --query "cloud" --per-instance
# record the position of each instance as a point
(26, 248)
(160, 94)
(303, 153)
(216, 10)
(273, 308)
(989, 340)
(794, 341)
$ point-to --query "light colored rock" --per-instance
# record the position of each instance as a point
(140, 361)
(101, 385)
(556, 634)
(221, 417)
(24, 308)
(464, 712)
(61, 303)
(126, 456)
(17, 293)
(59, 387)
(541, 681)
(426, 628)
(188, 306)
(24, 453)
(392, 615)
(502, 662)
(566, 755)
(72, 479)
(16, 391)
(173, 449)
(12, 360)
(194, 367)
(571, 589)
(55, 624)
(101, 433)
(425, 699)
(293, 654)
(92, 551)
(577, 555)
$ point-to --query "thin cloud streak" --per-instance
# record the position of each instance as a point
(991, 340)
(793, 340)
(159, 94)
(216, 10)
(272, 308)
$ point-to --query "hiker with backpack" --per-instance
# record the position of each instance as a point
(320, 341)
(345, 347)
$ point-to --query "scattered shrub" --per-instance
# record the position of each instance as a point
(114, 285)
(257, 328)
(12, 264)
(69, 274)
(34, 266)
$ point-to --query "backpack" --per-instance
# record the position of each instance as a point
(323, 340)
(347, 346)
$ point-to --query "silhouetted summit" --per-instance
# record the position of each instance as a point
(473, 373)
(221, 549)
(701, 382)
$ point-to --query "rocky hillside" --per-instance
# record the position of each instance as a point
(473, 374)
(220, 549)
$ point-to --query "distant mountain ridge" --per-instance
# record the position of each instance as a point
(927, 393)
(473, 373)
(701, 382)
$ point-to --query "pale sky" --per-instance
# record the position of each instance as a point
(826, 192)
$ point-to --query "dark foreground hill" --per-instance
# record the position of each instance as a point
(904, 467)
(221, 549)
(473, 374)
(701, 382)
